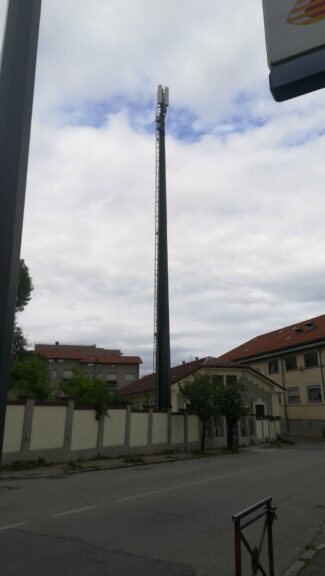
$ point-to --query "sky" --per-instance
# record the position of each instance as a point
(245, 179)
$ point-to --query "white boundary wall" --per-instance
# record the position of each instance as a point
(61, 431)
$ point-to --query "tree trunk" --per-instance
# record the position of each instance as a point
(204, 429)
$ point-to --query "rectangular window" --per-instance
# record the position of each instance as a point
(217, 379)
(293, 395)
(67, 374)
(259, 411)
(291, 363)
(231, 379)
(273, 366)
(129, 378)
(314, 394)
(54, 374)
(111, 379)
(311, 359)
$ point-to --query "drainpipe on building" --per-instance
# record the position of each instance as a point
(285, 398)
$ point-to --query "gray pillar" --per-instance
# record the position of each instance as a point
(186, 431)
(128, 426)
(68, 428)
(150, 426)
(169, 428)
(17, 75)
(27, 425)
(100, 433)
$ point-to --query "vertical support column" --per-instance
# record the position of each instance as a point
(186, 431)
(100, 433)
(68, 429)
(17, 75)
(128, 426)
(237, 549)
(270, 537)
(150, 426)
(27, 425)
(169, 428)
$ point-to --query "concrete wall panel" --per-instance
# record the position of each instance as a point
(177, 429)
(159, 428)
(84, 430)
(193, 428)
(13, 429)
(48, 427)
(114, 428)
(139, 429)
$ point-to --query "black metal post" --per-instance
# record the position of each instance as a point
(163, 335)
(17, 77)
(270, 518)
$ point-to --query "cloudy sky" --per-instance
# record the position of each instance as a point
(245, 179)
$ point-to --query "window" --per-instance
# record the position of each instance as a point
(230, 379)
(291, 363)
(67, 374)
(259, 411)
(293, 395)
(111, 379)
(54, 374)
(217, 379)
(311, 359)
(273, 366)
(129, 378)
(314, 394)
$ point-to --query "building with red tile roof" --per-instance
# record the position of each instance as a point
(293, 356)
(109, 365)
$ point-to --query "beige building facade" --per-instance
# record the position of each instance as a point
(263, 397)
(294, 357)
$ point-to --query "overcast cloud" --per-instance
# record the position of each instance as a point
(245, 179)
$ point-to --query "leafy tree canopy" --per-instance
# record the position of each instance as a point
(232, 401)
(25, 287)
(29, 376)
(95, 393)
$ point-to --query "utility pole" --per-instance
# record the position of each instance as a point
(161, 311)
(17, 77)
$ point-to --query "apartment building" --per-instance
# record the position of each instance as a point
(107, 364)
(294, 357)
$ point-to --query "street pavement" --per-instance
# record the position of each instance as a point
(170, 519)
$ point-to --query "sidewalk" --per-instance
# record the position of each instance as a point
(311, 563)
(36, 470)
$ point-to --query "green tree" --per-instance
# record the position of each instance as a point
(25, 287)
(29, 376)
(88, 392)
(232, 404)
(202, 394)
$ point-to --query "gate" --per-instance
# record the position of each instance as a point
(262, 509)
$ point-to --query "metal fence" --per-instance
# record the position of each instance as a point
(261, 510)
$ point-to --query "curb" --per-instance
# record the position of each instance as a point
(297, 566)
(60, 473)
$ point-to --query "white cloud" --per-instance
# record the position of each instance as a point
(244, 175)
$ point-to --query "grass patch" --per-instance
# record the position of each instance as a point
(133, 459)
(26, 465)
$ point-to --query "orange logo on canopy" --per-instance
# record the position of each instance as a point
(307, 12)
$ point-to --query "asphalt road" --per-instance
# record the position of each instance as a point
(170, 519)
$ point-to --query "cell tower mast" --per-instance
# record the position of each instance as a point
(161, 355)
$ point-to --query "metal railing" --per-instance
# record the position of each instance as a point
(242, 520)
